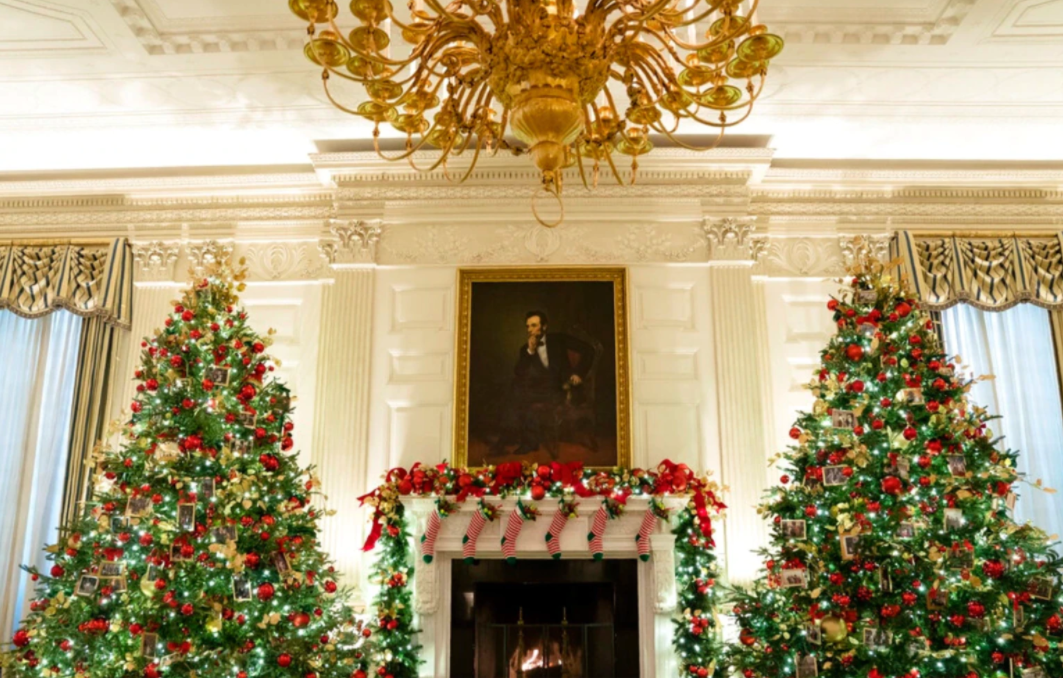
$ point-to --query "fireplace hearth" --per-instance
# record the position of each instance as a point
(545, 619)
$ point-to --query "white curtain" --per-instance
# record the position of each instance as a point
(38, 361)
(1016, 347)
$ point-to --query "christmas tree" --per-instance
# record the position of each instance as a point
(893, 550)
(197, 554)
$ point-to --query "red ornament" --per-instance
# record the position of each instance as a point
(892, 485)
(301, 619)
(795, 433)
(57, 571)
(330, 586)
(265, 591)
(910, 433)
(854, 352)
(405, 486)
(285, 660)
(537, 491)
(832, 305)
(22, 638)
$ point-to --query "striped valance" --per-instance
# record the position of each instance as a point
(88, 281)
(988, 273)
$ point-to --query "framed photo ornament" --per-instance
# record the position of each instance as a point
(541, 372)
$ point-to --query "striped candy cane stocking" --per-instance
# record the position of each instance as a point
(642, 539)
(509, 539)
(485, 512)
(428, 539)
(553, 535)
(594, 537)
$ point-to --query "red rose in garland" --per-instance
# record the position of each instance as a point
(171, 547)
(893, 553)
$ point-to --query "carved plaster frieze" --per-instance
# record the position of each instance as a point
(804, 257)
(155, 260)
(274, 261)
(576, 243)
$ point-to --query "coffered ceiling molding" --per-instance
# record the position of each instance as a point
(201, 26)
(1031, 20)
(867, 22)
(35, 28)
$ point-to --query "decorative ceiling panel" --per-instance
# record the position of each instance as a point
(209, 26)
(32, 28)
(1031, 20)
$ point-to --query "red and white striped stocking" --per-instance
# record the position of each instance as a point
(428, 539)
(594, 537)
(509, 539)
(468, 548)
(642, 539)
(553, 535)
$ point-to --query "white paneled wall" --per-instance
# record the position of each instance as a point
(799, 327)
(412, 376)
(294, 311)
(674, 402)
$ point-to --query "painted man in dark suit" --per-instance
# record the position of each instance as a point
(545, 369)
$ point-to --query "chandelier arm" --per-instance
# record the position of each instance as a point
(369, 56)
(444, 13)
(716, 41)
(726, 123)
(694, 19)
(655, 55)
(612, 167)
(690, 147)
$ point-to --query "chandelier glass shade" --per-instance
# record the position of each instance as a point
(567, 85)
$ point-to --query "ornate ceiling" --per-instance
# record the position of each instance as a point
(96, 84)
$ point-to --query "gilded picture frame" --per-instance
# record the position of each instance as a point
(506, 395)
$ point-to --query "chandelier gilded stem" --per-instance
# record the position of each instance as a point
(541, 70)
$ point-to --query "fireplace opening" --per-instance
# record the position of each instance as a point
(544, 619)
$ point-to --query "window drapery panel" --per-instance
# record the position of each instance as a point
(1016, 347)
(96, 281)
(991, 274)
(37, 368)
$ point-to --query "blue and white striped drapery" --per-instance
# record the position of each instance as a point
(87, 281)
(988, 273)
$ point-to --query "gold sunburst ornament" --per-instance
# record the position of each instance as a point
(553, 75)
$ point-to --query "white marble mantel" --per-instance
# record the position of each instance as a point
(656, 578)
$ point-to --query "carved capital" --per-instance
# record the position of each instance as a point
(864, 248)
(355, 242)
(155, 260)
(203, 254)
(729, 239)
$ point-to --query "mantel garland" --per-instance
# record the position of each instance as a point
(695, 638)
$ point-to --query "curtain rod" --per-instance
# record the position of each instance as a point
(985, 234)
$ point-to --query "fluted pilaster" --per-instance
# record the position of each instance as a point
(739, 337)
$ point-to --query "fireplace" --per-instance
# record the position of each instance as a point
(617, 616)
(545, 619)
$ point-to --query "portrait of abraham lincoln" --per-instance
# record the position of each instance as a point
(542, 367)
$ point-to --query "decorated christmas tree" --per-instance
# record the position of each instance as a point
(197, 554)
(894, 552)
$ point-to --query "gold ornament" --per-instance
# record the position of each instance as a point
(834, 629)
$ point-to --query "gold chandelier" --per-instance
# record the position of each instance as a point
(541, 69)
